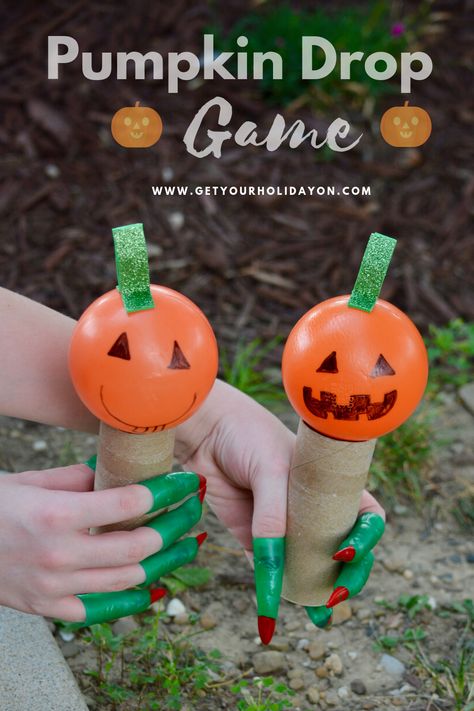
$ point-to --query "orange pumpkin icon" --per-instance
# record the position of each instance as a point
(405, 126)
(353, 375)
(144, 371)
(136, 126)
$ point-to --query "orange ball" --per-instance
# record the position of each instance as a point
(354, 375)
(145, 371)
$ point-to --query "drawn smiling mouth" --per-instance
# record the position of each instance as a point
(136, 134)
(405, 134)
(358, 405)
(141, 429)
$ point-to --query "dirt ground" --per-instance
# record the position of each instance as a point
(421, 553)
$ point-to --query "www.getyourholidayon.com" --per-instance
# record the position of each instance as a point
(264, 190)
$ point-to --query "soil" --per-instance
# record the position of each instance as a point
(424, 552)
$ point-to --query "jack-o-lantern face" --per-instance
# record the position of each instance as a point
(405, 126)
(136, 126)
(145, 371)
(354, 375)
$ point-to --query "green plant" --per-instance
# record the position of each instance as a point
(451, 354)
(453, 678)
(186, 577)
(246, 373)
(264, 695)
(280, 29)
(403, 459)
(148, 668)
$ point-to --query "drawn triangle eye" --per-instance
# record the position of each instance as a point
(120, 348)
(382, 367)
(329, 364)
(178, 359)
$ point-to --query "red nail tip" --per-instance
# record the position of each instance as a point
(202, 481)
(345, 554)
(338, 595)
(201, 537)
(266, 628)
(157, 594)
(202, 493)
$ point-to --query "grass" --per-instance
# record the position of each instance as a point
(279, 27)
(263, 695)
(148, 668)
(453, 677)
(247, 373)
(451, 355)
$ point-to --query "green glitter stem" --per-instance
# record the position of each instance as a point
(131, 260)
(372, 271)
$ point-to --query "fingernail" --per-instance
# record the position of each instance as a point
(202, 481)
(202, 493)
(345, 554)
(266, 628)
(201, 537)
(338, 595)
(156, 594)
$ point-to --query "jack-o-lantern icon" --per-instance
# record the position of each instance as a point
(405, 126)
(136, 126)
(145, 371)
(353, 375)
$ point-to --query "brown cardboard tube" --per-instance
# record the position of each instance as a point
(125, 458)
(327, 478)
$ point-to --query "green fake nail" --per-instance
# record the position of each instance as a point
(168, 489)
(174, 524)
(354, 576)
(319, 616)
(269, 558)
(167, 560)
(103, 607)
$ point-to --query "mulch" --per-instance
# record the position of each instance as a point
(253, 264)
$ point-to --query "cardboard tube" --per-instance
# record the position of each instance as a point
(327, 478)
(125, 458)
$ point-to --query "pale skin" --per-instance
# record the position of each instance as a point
(46, 554)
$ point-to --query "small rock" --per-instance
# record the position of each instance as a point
(176, 220)
(470, 557)
(241, 604)
(466, 394)
(208, 621)
(352, 655)
(293, 625)
(66, 636)
(400, 510)
(313, 695)
(334, 664)
(343, 692)
(268, 662)
(293, 673)
(175, 607)
(341, 613)
(332, 699)
(408, 574)
(394, 621)
(52, 171)
(321, 672)
(364, 613)
(182, 619)
(317, 649)
(302, 644)
(391, 665)
(40, 445)
(358, 687)
(281, 644)
(125, 625)
(70, 649)
(297, 683)
(394, 564)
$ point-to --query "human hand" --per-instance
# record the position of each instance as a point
(52, 566)
(245, 453)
